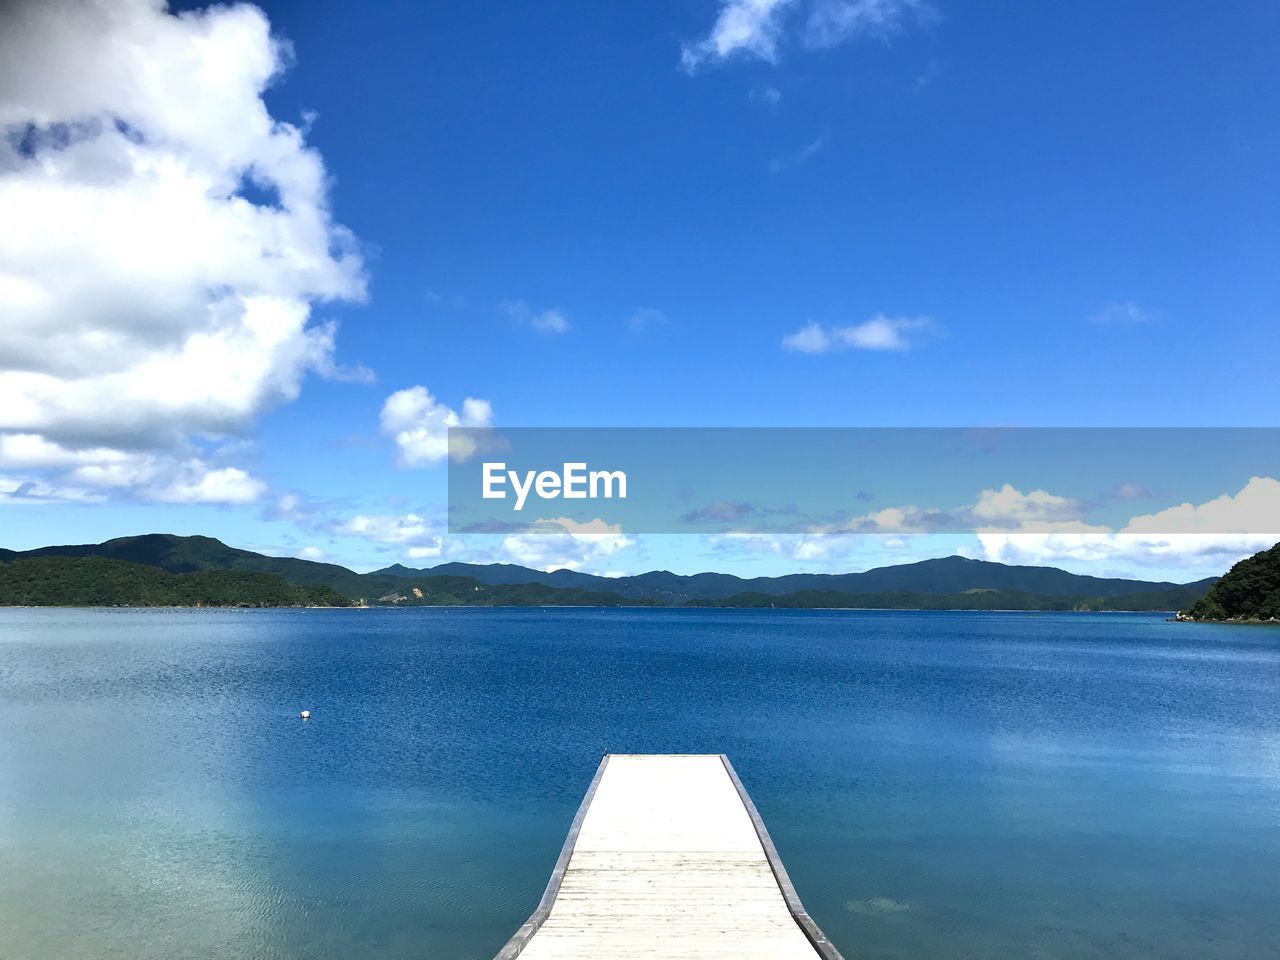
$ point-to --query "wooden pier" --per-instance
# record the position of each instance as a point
(668, 858)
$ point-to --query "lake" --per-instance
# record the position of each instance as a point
(939, 785)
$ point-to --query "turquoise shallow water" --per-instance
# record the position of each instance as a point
(939, 785)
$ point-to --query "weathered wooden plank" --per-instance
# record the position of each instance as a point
(668, 857)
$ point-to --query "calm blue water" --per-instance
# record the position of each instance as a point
(939, 785)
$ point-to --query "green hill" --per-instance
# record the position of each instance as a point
(1249, 592)
(976, 599)
(193, 554)
(104, 582)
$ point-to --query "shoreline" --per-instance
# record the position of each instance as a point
(619, 606)
(1234, 621)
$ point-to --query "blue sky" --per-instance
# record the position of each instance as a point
(807, 212)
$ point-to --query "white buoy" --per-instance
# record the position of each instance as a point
(305, 714)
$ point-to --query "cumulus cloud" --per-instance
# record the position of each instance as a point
(565, 544)
(996, 508)
(880, 332)
(1041, 528)
(96, 473)
(411, 535)
(1191, 551)
(414, 533)
(163, 242)
(420, 424)
(755, 28)
(1010, 522)
(1255, 507)
(743, 27)
(204, 485)
(1009, 504)
(551, 322)
(23, 492)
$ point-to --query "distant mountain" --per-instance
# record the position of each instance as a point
(193, 554)
(54, 581)
(945, 576)
(1249, 592)
(894, 586)
(498, 574)
(978, 599)
(468, 591)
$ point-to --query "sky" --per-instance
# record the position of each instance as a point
(255, 259)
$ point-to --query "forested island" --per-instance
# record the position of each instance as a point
(1249, 593)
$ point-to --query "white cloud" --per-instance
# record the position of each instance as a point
(95, 474)
(1131, 491)
(203, 485)
(800, 157)
(1123, 312)
(834, 21)
(1213, 534)
(565, 544)
(551, 322)
(1002, 508)
(880, 332)
(420, 424)
(755, 28)
(743, 27)
(21, 491)
(816, 548)
(1251, 516)
(810, 338)
(767, 94)
(311, 515)
(147, 299)
(643, 318)
(412, 535)
(30, 451)
(1256, 507)
(425, 553)
(1215, 552)
(1036, 528)
(410, 531)
(930, 75)
(1010, 504)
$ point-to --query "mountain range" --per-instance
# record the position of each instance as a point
(944, 575)
(949, 581)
